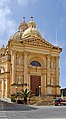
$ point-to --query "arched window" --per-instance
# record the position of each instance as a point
(35, 63)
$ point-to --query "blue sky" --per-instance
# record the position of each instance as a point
(50, 17)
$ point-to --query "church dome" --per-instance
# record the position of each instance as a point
(23, 25)
(31, 24)
(16, 36)
(32, 30)
(26, 30)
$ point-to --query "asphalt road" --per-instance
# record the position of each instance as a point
(17, 111)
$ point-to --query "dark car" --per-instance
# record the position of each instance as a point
(59, 101)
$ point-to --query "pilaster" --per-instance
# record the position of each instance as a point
(43, 83)
(25, 68)
(57, 70)
(6, 88)
(13, 67)
(48, 70)
(2, 88)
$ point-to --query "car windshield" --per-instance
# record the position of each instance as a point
(58, 99)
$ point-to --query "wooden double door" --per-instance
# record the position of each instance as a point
(35, 83)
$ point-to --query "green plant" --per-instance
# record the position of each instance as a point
(23, 94)
(13, 98)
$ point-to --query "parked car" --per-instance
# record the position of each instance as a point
(59, 101)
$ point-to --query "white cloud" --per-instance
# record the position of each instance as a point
(26, 2)
(22, 2)
(7, 25)
(4, 3)
(4, 13)
(1, 42)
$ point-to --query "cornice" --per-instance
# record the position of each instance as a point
(35, 42)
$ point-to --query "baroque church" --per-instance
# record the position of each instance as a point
(29, 61)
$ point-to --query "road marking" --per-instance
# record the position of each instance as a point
(54, 118)
(3, 115)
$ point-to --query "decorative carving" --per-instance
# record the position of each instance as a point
(37, 42)
(13, 52)
(52, 63)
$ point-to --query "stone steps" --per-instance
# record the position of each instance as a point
(41, 100)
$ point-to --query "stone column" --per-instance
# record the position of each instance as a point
(29, 81)
(48, 70)
(6, 88)
(2, 88)
(57, 71)
(45, 78)
(57, 90)
(13, 68)
(25, 69)
(42, 85)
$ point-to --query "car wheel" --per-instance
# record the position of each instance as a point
(56, 104)
(64, 104)
(59, 104)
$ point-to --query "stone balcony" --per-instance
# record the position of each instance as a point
(4, 58)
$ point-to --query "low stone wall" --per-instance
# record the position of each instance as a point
(64, 97)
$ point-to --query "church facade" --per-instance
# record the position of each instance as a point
(29, 61)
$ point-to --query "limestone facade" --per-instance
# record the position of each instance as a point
(29, 61)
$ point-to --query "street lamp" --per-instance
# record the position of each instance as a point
(16, 89)
(39, 91)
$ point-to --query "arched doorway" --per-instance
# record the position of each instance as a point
(35, 81)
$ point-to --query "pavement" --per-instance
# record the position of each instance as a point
(6, 100)
(21, 111)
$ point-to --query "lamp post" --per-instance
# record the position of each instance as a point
(39, 91)
(16, 89)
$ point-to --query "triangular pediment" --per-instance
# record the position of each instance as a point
(37, 42)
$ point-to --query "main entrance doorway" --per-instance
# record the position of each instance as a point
(35, 83)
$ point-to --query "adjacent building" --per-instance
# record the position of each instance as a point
(29, 61)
